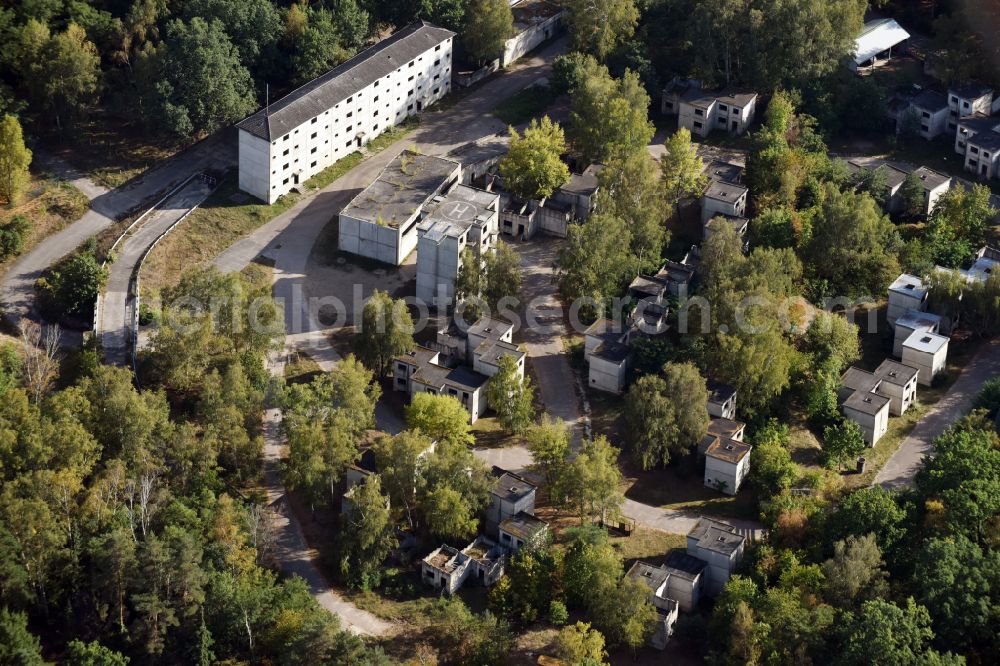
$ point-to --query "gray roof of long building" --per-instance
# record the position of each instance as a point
(344, 80)
(930, 100)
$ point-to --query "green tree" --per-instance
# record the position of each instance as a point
(368, 535)
(957, 581)
(489, 24)
(93, 654)
(608, 116)
(666, 415)
(439, 417)
(624, 613)
(883, 633)
(868, 511)
(386, 332)
(17, 644)
(14, 161)
(511, 395)
(400, 461)
(593, 482)
(599, 26)
(595, 262)
(591, 563)
(61, 71)
(853, 244)
(579, 644)
(833, 338)
(777, 227)
(771, 468)
(630, 190)
(253, 26)
(758, 366)
(548, 441)
(855, 571)
(453, 466)
(447, 515)
(911, 195)
(843, 442)
(317, 48)
(502, 274)
(532, 167)
(958, 225)
(683, 170)
(73, 285)
(195, 82)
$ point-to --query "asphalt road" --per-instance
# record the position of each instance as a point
(17, 287)
(899, 470)
(116, 312)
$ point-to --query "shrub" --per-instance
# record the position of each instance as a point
(558, 615)
(12, 235)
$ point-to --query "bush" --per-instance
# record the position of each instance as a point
(12, 236)
(558, 615)
(147, 315)
(989, 396)
(72, 286)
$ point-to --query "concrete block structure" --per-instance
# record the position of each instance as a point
(907, 292)
(421, 371)
(523, 530)
(721, 547)
(607, 353)
(381, 222)
(535, 21)
(463, 218)
(928, 353)
(910, 322)
(292, 139)
(655, 578)
(978, 141)
(727, 462)
(861, 402)
(725, 196)
(447, 568)
(579, 191)
(969, 100)
(511, 495)
(874, 45)
(721, 400)
(703, 112)
(931, 111)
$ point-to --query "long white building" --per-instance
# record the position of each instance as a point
(296, 137)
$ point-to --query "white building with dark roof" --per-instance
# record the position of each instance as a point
(655, 578)
(292, 139)
(727, 463)
(606, 350)
(522, 530)
(702, 111)
(720, 546)
(511, 495)
(969, 99)
(930, 109)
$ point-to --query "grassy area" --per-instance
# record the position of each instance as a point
(301, 368)
(489, 434)
(647, 544)
(525, 105)
(49, 205)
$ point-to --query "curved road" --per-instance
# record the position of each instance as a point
(903, 465)
(17, 287)
(115, 314)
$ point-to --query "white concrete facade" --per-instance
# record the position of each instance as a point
(703, 112)
(535, 21)
(720, 547)
(727, 463)
(296, 137)
(906, 293)
(928, 353)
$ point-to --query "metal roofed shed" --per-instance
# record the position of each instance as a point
(322, 93)
(877, 37)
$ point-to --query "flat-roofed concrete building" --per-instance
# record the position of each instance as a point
(727, 462)
(907, 292)
(721, 400)
(381, 222)
(720, 546)
(930, 110)
(910, 321)
(969, 99)
(928, 353)
(511, 495)
(607, 353)
(535, 21)
(523, 530)
(463, 218)
(860, 402)
(702, 111)
(422, 371)
(292, 139)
